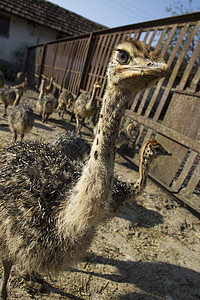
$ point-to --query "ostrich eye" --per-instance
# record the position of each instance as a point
(157, 149)
(122, 57)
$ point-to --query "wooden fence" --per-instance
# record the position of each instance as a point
(169, 111)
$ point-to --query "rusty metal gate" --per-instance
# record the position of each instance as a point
(169, 111)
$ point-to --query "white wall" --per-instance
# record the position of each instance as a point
(22, 34)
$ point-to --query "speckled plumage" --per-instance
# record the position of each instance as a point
(65, 100)
(50, 207)
(39, 177)
(85, 106)
(21, 120)
(73, 145)
(9, 95)
(45, 106)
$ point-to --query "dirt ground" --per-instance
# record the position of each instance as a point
(149, 251)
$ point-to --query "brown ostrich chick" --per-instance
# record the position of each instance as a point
(85, 106)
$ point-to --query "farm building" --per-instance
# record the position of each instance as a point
(27, 23)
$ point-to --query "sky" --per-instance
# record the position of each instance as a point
(114, 13)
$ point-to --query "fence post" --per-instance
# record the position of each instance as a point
(54, 59)
(41, 66)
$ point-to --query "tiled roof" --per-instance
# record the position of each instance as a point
(50, 15)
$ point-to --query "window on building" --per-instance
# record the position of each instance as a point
(4, 25)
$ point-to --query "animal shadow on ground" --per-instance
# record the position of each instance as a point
(4, 127)
(158, 279)
(48, 288)
(127, 162)
(62, 123)
(42, 126)
(32, 98)
(33, 286)
(142, 216)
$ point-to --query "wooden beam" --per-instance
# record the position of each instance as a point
(166, 131)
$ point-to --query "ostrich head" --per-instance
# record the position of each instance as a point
(152, 149)
(97, 86)
(133, 67)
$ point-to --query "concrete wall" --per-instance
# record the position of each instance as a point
(22, 34)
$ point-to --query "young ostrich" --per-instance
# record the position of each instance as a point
(124, 192)
(85, 106)
(20, 119)
(9, 95)
(65, 100)
(2, 80)
(20, 77)
(45, 105)
(45, 89)
(24, 84)
(41, 87)
(126, 137)
(48, 88)
(48, 229)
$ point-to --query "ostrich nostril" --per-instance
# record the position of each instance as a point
(149, 64)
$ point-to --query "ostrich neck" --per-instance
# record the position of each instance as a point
(92, 99)
(143, 172)
(17, 100)
(113, 108)
(50, 84)
(41, 90)
(138, 187)
(89, 202)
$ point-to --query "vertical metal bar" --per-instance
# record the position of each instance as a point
(176, 68)
(98, 57)
(146, 35)
(79, 61)
(87, 61)
(68, 50)
(113, 42)
(152, 37)
(176, 184)
(93, 67)
(54, 59)
(194, 180)
(168, 41)
(159, 84)
(146, 93)
(41, 66)
(195, 81)
(189, 66)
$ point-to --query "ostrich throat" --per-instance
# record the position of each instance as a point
(142, 180)
(92, 99)
(89, 202)
(101, 163)
(103, 149)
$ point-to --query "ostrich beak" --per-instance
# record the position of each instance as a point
(165, 152)
(158, 70)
